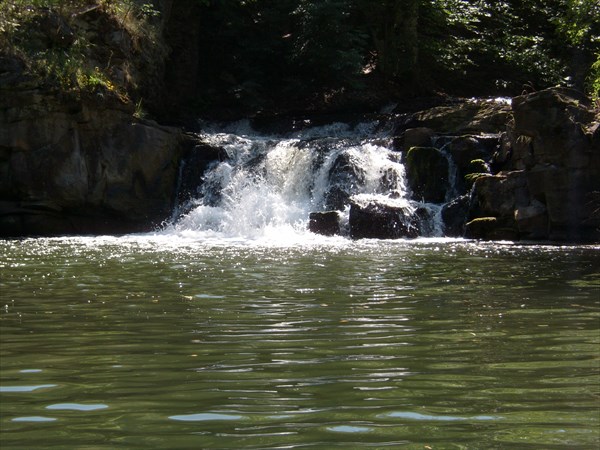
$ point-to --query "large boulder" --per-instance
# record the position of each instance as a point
(345, 175)
(466, 117)
(556, 125)
(470, 154)
(376, 220)
(454, 215)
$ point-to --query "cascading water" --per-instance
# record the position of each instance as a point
(267, 186)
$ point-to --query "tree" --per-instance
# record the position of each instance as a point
(329, 44)
(394, 27)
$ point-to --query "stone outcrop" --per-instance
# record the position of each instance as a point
(75, 154)
(78, 165)
(525, 170)
(461, 118)
(550, 179)
(343, 175)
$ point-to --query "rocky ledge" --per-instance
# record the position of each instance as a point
(79, 165)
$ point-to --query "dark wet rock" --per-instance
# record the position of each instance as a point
(325, 222)
(345, 175)
(454, 216)
(532, 221)
(416, 137)
(197, 158)
(427, 174)
(471, 155)
(379, 221)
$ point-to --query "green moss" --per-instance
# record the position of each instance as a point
(593, 81)
(483, 221)
(477, 168)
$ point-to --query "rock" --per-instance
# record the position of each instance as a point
(90, 162)
(326, 223)
(476, 169)
(532, 221)
(464, 150)
(55, 29)
(555, 124)
(454, 215)
(197, 157)
(344, 176)
(484, 116)
(551, 194)
(417, 137)
(499, 195)
(427, 174)
(375, 220)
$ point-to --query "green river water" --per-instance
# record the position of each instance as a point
(172, 343)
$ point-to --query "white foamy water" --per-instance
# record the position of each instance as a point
(268, 185)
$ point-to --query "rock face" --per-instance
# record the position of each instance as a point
(549, 185)
(463, 118)
(343, 175)
(427, 172)
(77, 166)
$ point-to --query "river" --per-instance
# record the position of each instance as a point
(169, 341)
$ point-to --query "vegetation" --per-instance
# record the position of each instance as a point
(255, 54)
(286, 49)
(53, 41)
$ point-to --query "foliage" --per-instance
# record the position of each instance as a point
(329, 45)
(256, 53)
(594, 80)
(46, 35)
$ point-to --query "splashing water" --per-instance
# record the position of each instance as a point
(267, 186)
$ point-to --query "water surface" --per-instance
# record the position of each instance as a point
(165, 341)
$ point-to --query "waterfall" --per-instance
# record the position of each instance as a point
(267, 186)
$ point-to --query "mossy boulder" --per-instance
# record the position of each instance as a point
(482, 116)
